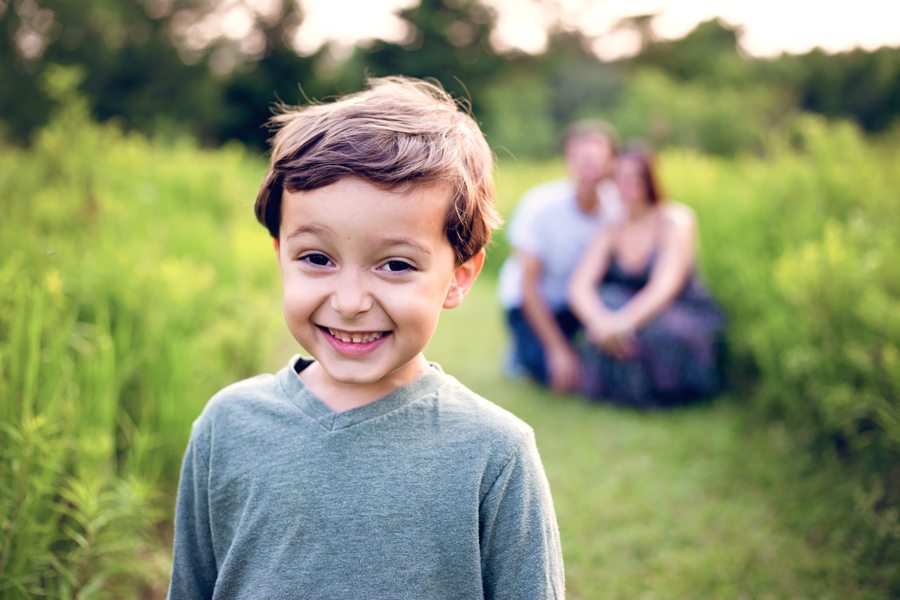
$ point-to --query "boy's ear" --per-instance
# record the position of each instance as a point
(463, 278)
(275, 244)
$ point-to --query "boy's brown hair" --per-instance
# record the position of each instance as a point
(398, 132)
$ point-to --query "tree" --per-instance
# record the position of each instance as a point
(132, 68)
(448, 40)
(709, 52)
(859, 85)
(153, 64)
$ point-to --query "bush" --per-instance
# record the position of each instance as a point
(800, 249)
(720, 119)
(129, 292)
(134, 284)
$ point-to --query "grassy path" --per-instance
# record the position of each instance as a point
(701, 502)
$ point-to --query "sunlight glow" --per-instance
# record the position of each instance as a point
(349, 21)
(521, 24)
(769, 26)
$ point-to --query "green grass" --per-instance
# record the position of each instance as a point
(700, 502)
(134, 284)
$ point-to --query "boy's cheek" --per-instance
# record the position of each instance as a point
(292, 298)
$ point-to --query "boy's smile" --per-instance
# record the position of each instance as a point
(354, 342)
(366, 272)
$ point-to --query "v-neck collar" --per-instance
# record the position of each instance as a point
(310, 405)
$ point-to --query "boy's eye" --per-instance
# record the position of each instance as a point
(314, 258)
(397, 266)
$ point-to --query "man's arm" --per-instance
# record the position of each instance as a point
(521, 556)
(563, 363)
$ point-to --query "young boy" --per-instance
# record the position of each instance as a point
(365, 471)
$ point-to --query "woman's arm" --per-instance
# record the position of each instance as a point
(583, 297)
(674, 261)
(604, 327)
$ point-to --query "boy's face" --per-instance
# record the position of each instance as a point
(366, 273)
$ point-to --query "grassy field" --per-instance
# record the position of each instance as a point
(702, 502)
(134, 283)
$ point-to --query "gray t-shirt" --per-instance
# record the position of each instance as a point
(430, 492)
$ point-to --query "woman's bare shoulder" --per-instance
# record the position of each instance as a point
(678, 215)
(679, 222)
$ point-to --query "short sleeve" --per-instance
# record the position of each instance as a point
(193, 565)
(520, 548)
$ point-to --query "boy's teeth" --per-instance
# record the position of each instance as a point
(355, 338)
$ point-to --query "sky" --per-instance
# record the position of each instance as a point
(770, 27)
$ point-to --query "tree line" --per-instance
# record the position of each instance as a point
(167, 67)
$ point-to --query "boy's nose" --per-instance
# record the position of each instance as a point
(350, 296)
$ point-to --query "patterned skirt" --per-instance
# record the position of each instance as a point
(678, 358)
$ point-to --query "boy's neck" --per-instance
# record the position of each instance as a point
(341, 396)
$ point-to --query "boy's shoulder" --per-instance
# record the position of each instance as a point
(239, 400)
(458, 413)
(464, 409)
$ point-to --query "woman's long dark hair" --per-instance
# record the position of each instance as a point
(644, 158)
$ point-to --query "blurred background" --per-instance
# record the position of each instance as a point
(134, 282)
(711, 76)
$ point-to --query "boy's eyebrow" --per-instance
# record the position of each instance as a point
(400, 241)
(305, 228)
(387, 242)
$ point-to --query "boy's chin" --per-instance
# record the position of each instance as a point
(374, 376)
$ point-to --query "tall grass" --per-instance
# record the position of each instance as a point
(702, 502)
(800, 246)
(134, 283)
(130, 290)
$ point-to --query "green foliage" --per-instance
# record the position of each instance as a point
(799, 245)
(800, 248)
(135, 284)
(711, 118)
(709, 53)
(817, 218)
(113, 334)
(579, 84)
(162, 66)
(533, 105)
(857, 85)
(531, 102)
(704, 502)
(448, 41)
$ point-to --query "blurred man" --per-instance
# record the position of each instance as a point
(548, 234)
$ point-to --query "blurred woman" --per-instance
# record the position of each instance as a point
(652, 329)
